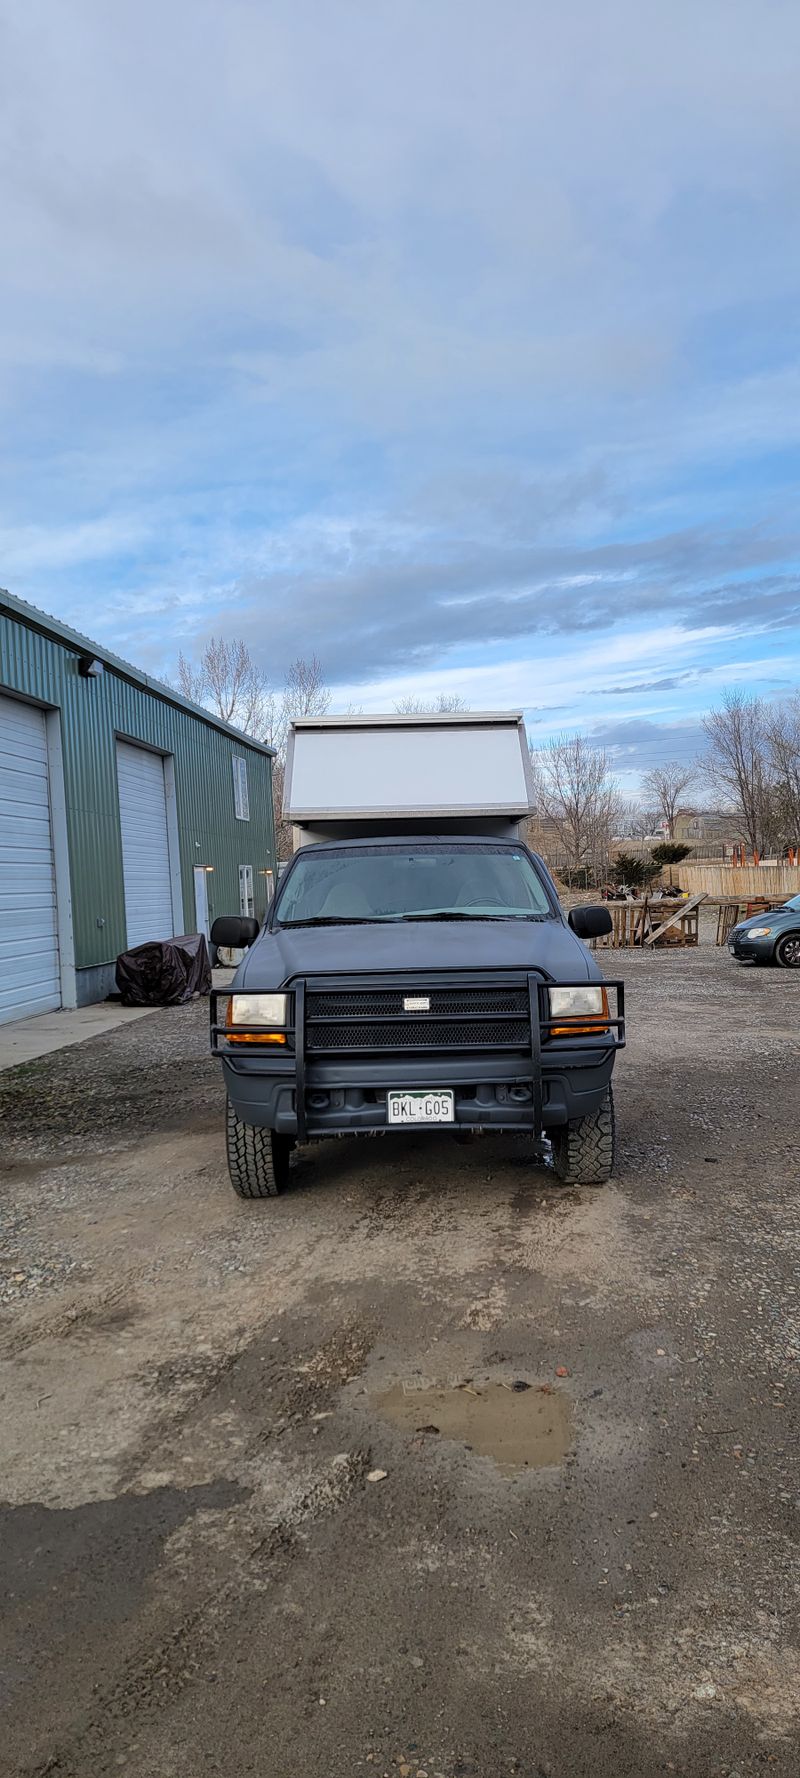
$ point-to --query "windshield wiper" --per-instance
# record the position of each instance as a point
(462, 914)
(332, 920)
(395, 919)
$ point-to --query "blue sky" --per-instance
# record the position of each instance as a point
(457, 343)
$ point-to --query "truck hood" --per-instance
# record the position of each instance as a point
(549, 947)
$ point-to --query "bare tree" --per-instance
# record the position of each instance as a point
(446, 704)
(191, 682)
(738, 764)
(577, 794)
(667, 786)
(637, 821)
(304, 694)
(227, 679)
(283, 828)
(782, 731)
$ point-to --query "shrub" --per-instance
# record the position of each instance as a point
(669, 852)
(634, 872)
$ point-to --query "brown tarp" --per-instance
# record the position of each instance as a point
(165, 973)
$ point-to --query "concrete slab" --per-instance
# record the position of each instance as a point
(25, 1040)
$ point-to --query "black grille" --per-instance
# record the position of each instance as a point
(446, 1002)
(416, 1035)
(341, 1021)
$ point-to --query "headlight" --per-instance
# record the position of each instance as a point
(261, 1012)
(258, 1009)
(567, 1002)
(588, 1004)
(757, 931)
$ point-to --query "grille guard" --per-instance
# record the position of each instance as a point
(536, 1012)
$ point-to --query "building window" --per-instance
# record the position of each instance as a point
(241, 794)
(246, 900)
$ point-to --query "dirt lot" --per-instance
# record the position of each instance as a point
(201, 1576)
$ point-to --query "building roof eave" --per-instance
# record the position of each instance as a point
(59, 632)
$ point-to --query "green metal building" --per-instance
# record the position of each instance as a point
(126, 814)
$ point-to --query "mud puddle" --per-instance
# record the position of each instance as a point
(518, 1425)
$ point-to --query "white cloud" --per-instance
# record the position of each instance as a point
(32, 548)
(407, 333)
(566, 681)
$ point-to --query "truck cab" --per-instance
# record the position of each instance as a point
(415, 968)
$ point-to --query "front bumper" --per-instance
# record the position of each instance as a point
(551, 1081)
(751, 950)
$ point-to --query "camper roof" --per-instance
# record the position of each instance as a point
(358, 768)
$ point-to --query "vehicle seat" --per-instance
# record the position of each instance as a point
(486, 889)
(344, 900)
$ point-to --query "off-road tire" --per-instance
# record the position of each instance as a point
(258, 1160)
(584, 1151)
(787, 951)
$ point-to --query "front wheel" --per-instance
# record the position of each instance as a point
(584, 1151)
(787, 951)
(258, 1160)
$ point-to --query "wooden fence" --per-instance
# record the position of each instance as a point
(746, 882)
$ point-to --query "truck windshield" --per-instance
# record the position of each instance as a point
(420, 882)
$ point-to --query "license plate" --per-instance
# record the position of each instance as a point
(420, 1108)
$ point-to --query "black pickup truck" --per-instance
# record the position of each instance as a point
(421, 983)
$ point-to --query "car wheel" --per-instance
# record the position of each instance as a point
(584, 1151)
(258, 1160)
(787, 951)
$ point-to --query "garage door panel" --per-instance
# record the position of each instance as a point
(16, 731)
(22, 788)
(33, 965)
(26, 879)
(21, 798)
(145, 844)
(25, 999)
(29, 960)
(18, 752)
(33, 876)
(36, 914)
(33, 999)
(33, 835)
(21, 906)
(19, 764)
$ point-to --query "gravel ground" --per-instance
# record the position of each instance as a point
(201, 1577)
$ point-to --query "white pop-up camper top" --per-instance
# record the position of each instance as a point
(358, 776)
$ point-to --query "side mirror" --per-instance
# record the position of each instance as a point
(590, 922)
(234, 931)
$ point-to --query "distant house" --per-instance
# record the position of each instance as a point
(126, 814)
(701, 828)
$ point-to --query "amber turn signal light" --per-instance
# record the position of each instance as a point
(591, 1027)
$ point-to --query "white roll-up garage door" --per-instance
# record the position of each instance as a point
(29, 964)
(145, 846)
